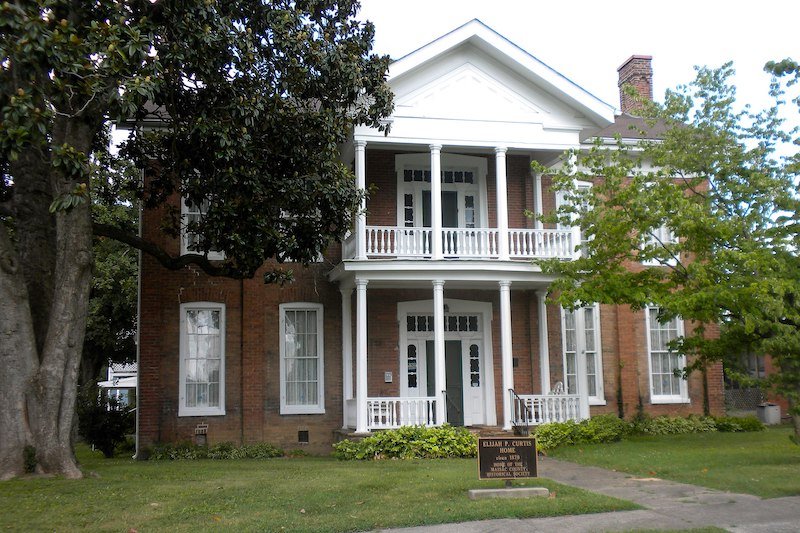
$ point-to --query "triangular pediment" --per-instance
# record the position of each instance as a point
(468, 93)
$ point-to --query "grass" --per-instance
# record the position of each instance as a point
(302, 494)
(765, 463)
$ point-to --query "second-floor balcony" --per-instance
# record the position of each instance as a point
(461, 243)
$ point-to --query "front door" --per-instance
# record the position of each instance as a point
(454, 383)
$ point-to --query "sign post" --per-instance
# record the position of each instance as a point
(507, 458)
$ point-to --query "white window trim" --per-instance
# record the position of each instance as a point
(652, 241)
(183, 410)
(600, 399)
(212, 255)
(422, 161)
(303, 409)
(681, 398)
(561, 200)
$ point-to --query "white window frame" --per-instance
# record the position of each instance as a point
(185, 213)
(580, 344)
(562, 200)
(683, 396)
(454, 162)
(662, 235)
(183, 409)
(319, 407)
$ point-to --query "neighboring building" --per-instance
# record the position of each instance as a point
(434, 308)
(120, 384)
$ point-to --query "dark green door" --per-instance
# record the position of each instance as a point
(455, 383)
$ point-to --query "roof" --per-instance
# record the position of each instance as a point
(504, 51)
(628, 126)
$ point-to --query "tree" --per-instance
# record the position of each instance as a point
(716, 180)
(251, 100)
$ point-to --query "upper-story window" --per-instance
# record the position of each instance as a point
(561, 200)
(463, 181)
(192, 213)
(660, 238)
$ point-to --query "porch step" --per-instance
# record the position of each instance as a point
(489, 431)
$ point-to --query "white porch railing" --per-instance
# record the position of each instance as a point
(535, 409)
(482, 243)
(390, 413)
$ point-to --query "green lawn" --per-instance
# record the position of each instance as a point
(765, 463)
(305, 494)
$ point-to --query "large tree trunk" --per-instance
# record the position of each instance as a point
(45, 281)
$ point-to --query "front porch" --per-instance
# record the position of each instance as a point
(527, 410)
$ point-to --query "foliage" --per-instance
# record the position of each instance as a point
(102, 422)
(716, 178)
(598, 429)
(673, 425)
(730, 424)
(251, 100)
(223, 450)
(609, 428)
(411, 442)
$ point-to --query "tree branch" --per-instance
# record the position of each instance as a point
(165, 259)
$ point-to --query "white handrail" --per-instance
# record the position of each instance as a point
(535, 409)
(394, 412)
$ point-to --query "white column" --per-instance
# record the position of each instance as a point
(544, 348)
(361, 217)
(502, 201)
(347, 351)
(506, 351)
(538, 207)
(361, 356)
(580, 363)
(436, 200)
(438, 343)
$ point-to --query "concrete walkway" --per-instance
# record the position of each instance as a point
(668, 506)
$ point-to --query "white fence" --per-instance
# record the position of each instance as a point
(390, 413)
(532, 410)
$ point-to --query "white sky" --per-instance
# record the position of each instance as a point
(587, 40)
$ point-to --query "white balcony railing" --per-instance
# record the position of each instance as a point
(532, 410)
(465, 243)
(390, 413)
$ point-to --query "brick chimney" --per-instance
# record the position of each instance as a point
(638, 72)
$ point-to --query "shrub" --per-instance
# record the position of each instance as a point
(223, 450)
(674, 425)
(103, 423)
(603, 428)
(410, 442)
(733, 424)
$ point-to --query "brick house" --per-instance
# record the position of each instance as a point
(433, 309)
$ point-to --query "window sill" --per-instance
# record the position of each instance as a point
(305, 410)
(597, 401)
(186, 411)
(668, 400)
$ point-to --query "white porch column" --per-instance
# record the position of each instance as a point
(436, 200)
(502, 202)
(538, 207)
(544, 348)
(361, 183)
(361, 356)
(438, 343)
(583, 378)
(507, 357)
(347, 351)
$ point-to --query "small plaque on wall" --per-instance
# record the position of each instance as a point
(387, 377)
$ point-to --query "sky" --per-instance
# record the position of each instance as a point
(587, 41)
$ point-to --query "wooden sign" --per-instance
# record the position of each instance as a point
(506, 458)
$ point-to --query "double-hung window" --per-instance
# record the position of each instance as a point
(202, 359)
(561, 200)
(581, 333)
(661, 237)
(301, 364)
(666, 366)
(192, 213)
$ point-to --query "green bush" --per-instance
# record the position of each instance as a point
(103, 423)
(223, 450)
(674, 425)
(410, 442)
(603, 428)
(733, 424)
